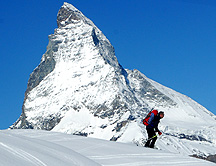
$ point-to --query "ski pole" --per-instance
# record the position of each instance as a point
(152, 137)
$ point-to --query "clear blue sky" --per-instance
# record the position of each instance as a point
(171, 41)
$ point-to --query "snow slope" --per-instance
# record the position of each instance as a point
(45, 148)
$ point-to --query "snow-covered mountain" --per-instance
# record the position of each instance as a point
(80, 88)
(47, 148)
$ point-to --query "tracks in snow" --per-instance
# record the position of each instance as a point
(17, 152)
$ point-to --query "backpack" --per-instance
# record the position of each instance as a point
(145, 121)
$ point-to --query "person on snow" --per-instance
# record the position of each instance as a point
(152, 127)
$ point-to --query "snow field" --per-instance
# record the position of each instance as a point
(43, 148)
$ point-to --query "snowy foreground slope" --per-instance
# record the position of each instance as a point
(45, 148)
(80, 88)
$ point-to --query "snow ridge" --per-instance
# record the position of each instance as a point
(43, 148)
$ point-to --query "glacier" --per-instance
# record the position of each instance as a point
(80, 88)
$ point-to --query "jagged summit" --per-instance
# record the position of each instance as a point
(69, 17)
(69, 14)
(80, 88)
(78, 57)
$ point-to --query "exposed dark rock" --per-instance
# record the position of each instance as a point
(131, 117)
(50, 122)
(43, 123)
(95, 39)
(211, 158)
(114, 138)
(81, 134)
(100, 108)
(44, 68)
(120, 125)
(24, 124)
(66, 16)
(189, 137)
(103, 126)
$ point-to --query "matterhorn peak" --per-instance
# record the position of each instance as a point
(79, 58)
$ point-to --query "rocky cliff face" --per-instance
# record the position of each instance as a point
(80, 88)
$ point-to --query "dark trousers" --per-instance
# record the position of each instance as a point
(151, 141)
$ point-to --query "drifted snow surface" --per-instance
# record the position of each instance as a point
(45, 148)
